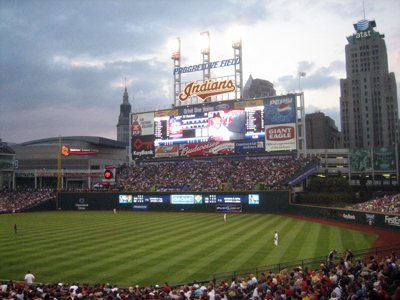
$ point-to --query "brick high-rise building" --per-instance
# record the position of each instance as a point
(368, 95)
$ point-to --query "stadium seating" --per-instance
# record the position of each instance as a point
(373, 278)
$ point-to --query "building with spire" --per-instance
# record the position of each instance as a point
(123, 120)
(368, 94)
(257, 88)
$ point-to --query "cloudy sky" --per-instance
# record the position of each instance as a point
(63, 63)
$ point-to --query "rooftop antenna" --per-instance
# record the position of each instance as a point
(364, 8)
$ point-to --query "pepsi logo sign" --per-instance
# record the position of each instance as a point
(284, 109)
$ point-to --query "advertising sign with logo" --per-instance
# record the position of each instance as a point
(280, 110)
(228, 208)
(249, 103)
(142, 124)
(167, 151)
(253, 145)
(362, 29)
(67, 151)
(392, 220)
(207, 89)
(370, 219)
(143, 146)
(347, 216)
(384, 159)
(140, 207)
(280, 137)
(182, 199)
(360, 160)
(209, 148)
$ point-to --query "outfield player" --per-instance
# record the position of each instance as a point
(276, 239)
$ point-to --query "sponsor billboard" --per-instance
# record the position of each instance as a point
(280, 137)
(250, 146)
(228, 208)
(384, 159)
(142, 124)
(142, 146)
(360, 160)
(209, 148)
(167, 151)
(280, 110)
(392, 220)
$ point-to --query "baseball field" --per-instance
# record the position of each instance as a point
(149, 248)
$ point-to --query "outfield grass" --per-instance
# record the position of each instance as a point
(148, 248)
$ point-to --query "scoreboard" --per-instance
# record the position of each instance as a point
(259, 125)
(199, 198)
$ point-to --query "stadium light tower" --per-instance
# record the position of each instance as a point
(236, 32)
(205, 50)
(175, 47)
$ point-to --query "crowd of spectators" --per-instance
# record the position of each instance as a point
(15, 200)
(386, 204)
(237, 175)
(368, 279)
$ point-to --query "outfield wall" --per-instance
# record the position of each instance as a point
(221, 202)
(374, 219)
(256, 202)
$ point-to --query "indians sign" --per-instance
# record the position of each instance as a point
(207, 89)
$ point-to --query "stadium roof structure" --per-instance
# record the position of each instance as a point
(95, 140)
(5, 149)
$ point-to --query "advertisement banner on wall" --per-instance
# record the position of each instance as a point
(228, 208)
(280, 137)
(249, 146)
(384, 159)
(249, 103)
(280, 110)
(142, 146)
(142, 124)
(360, 160)
(209, 148)
(166, 151)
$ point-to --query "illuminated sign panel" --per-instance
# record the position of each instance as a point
(207, 89)
(280, 137)
(252, 126)
(252, 199)
(125, 199)
(65, 151)
(280, 110)
(182, 199)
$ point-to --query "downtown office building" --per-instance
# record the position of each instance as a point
(368, 95)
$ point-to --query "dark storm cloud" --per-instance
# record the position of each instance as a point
(316, 78)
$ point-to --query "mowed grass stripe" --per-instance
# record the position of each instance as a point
(289, 240)
(97, 247)
(237, 241)
(127, 267)
(207, 247)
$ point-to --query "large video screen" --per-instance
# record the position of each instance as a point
(210, 123)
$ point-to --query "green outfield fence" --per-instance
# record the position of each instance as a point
(311, 263)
